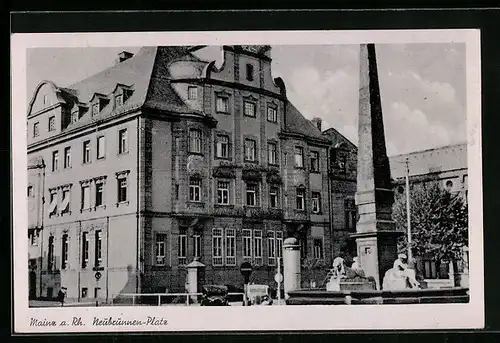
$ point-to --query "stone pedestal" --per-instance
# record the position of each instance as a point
(376, 235)
(192, 278)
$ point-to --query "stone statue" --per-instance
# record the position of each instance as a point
(340, 273)
(356, 267)
(400, 276)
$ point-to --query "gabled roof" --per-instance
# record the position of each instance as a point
(296, 123)
(337, 138)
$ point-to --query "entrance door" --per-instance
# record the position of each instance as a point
(32, 285)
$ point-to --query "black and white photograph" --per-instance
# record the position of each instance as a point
(247, 181)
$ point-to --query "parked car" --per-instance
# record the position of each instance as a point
(259, 295)
(214, 295)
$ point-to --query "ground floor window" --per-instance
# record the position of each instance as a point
(182, 247)
(318, 248)
(217, 247)
(230, 247)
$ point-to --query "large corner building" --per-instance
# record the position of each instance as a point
(163, 158)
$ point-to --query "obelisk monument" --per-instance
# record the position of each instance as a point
(376, 235)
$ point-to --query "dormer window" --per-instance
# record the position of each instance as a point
(118, 100)
(74, 117)
(192, 93)
(95, 109)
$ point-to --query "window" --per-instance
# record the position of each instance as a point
(99, 189)
(257, 246)
(222, 104)
(45, 99)
(251, 194)
(271, 248)
(223, 192)
(299, 157)
(230, 247)
(279, 244)
(350, 215)
(272, 114)
(316, 202)
(50, 257)
(195, 190)
(85, 197)
(122, 141)
(303, 247)
(64, 249)
(249, 72)
(74, 117)
(86, 152)
(300, 199)
(192, 93)
(318, 248)
(97, 291)
(95, 109)
(55, 160)
(52, 123)
(249, 108)
(247, 245)
(33, 238)
(85, 292)
(101, 147)
(85, 249)
(160, 249)
(67, 157)
(122, 189)
(217, 247)
(314, 161)
(118, 100)
(250, 150)
(36, 129)
(197, 244)
(222, 147)
(195, 141)
(30, 192)
(182, 247)
(65, 205)
(273, 197)
(53, 202)
(272, 153)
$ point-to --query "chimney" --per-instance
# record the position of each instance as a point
(123, 56)
(317, 122)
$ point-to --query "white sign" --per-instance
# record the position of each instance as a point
(278, 277)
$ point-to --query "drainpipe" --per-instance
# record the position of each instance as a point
(107, 258)
(330, 214)
(42, 224)
(80, 252)
(138, 257)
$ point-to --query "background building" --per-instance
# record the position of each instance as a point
(446, 166)
(164, 158)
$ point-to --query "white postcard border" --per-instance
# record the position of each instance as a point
(274, 318)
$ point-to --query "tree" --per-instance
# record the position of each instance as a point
(439, 223)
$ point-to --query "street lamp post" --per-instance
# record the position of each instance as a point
(408, 213)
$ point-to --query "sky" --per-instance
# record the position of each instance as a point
(422, 86)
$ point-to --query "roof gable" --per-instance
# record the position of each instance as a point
(295, 122)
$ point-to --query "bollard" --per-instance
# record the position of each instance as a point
(291, 265)
(192, 279)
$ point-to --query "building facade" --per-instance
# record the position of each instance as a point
(164, 158)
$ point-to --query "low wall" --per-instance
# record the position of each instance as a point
(364, 297)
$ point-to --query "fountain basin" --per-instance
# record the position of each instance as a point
(370, 297)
